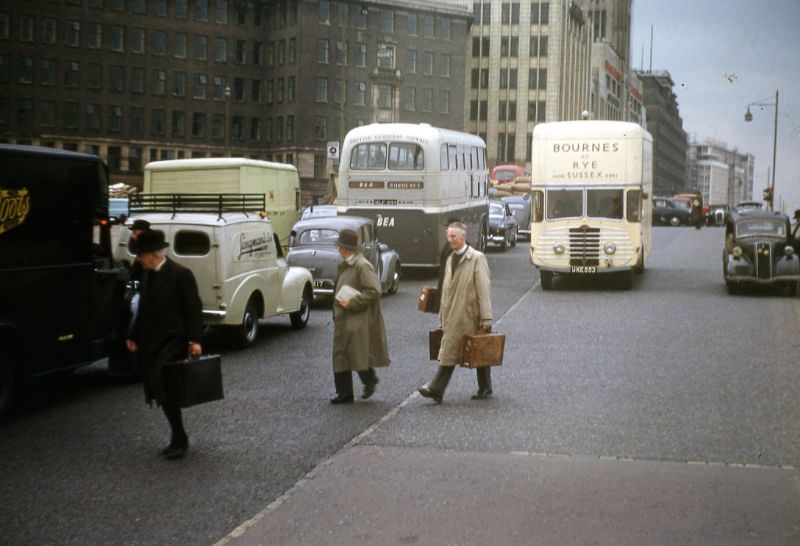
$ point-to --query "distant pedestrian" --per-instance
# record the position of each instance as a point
(465, 308)
(168, 328)
(359, 337)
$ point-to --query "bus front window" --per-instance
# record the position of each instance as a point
(564, 203)
(604, 203)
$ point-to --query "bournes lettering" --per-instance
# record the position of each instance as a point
(578, 147)
(14, 208)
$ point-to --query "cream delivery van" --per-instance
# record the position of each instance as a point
(279, 182)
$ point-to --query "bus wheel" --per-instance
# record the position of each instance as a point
(546, 279)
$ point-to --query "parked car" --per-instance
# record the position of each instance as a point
(318, 211)
(313, 245)
(521, 209)
(503, 227)
(507, 173)
(666, 212)
(235, 255)
(759, 249)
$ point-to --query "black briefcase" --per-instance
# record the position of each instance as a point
(193, 381)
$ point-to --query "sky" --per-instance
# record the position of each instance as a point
(723, 55)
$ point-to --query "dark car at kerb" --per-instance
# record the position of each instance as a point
(759, 250)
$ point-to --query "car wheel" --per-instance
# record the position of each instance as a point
(300, 317)
(395, 284)
(546, 279)
(674, 221)
(504, 244)
(247, 331)
(514, 238)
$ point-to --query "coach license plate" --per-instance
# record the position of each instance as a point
(583, 269)
(320, 283)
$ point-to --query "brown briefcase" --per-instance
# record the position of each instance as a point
(428, 301)
(478, 350)
(434, 342)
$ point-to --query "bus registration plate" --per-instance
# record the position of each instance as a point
(583, 269)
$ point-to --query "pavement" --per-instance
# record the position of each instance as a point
(368, 494)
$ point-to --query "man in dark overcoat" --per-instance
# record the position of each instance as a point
(359, 337)
(168, 328)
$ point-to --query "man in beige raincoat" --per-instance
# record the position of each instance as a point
(466, 308)
(359, 337)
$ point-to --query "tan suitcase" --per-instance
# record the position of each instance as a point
(478, 350)
(428, 300)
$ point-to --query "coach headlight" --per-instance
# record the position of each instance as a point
(559, 249)
(610, 248)
(737, 252)
(788, 251)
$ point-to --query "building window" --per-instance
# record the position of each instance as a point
(200, 85)
(198, 125)
(116, 79)
(201, 48)
(360, 95)
(179, 84)
(268, 129)
(4, 26)
(325, 12)
(221, 12)
(178, 123)
(138, 6)
(411, 61)
(540, 13)
(427, 63)
(137, 39)
(427, 26)
(71, 115)
(444, 101)
(160, 7)
(270, 91)
(25, 70)
(290, 89)
(255, 91)
(387, 20)
(508, 78)
(47, 113)
(241, 54)
(343, 13)
(73, 33)
(72, 74)
(258, 53)
(159, 82)
(94, 76)
(291, 52)
(220, 50)
(385, 96)
(93, 116)
(386, 56)
(322, 90)
(218, 126)
(136, 124)
(361, 55)
(341, 52)
(181, 9)
(279, 90)
(340, 92)
(157, 126)
(412, 24)
(444, 65)
(289, 129)
(115, 122)
(323, 53)
(427, 100)
(26, 28)
(361, 15)
(159, 43)
(410, 98)
(201, 10)
(279, 128)
(137, 80)
(179, 45)
(445, 28)
(48, 72)
(321, 128)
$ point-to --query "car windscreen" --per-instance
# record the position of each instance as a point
(771, 228)
(505, 175)
(564, 203)
(604, 203)
(317, 235)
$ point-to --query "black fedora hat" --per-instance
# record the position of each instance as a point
(348, 239)
(150, 240)
(140, 224)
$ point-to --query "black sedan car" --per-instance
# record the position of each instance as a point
(667, 212)
(759, 249)
(521, 209)
(312, 244)
(503, 227)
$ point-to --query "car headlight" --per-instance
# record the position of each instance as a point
(788, 251)
(559, 249)
(610, 248)
(737, 252)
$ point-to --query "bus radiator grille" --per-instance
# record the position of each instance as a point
(584, 246)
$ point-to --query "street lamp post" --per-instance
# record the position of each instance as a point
(748, 116)
(227, 127)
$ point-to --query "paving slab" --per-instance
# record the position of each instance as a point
(395, 495)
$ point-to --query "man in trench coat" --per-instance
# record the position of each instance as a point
(359, 337)
(168, 328)
(465, 308)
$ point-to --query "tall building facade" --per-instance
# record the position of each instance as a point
(723, 175)
(528, 62)
(669, 139)
(141, 80)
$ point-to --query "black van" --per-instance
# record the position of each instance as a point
(59, 287)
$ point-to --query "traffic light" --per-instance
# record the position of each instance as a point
(767, 195)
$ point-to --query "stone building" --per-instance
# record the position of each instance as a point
(669, 139)
(723, 175)
(141, 80)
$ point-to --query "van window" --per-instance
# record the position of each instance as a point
(633, 206)
(192, 243)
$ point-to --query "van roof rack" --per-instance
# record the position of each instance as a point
(218, 203)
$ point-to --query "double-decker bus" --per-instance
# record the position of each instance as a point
(413, 180)
(590, 185)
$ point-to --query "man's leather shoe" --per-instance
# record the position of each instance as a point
(428, 393)
(175, 445)
(178, 452)
(342, 399)
(482, 394)
(369, 389)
